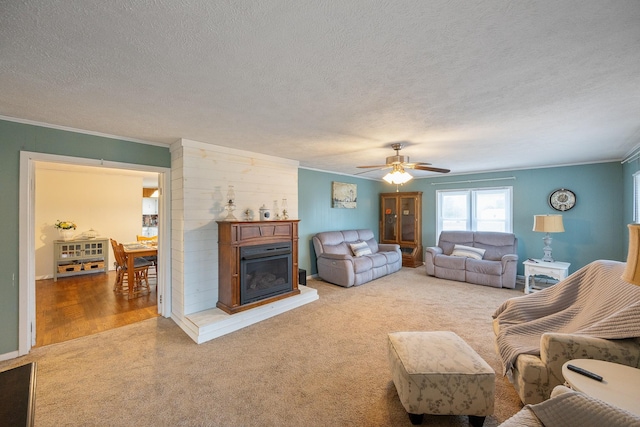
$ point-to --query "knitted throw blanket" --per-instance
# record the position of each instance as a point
(593, 301)
(574, 409)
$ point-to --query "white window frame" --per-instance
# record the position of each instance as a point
(471, 206)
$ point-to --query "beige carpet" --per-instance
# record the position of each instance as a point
(323, 364)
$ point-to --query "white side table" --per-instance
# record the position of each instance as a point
(556, 270)
(620, 385)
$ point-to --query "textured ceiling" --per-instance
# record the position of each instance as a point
(469, 85)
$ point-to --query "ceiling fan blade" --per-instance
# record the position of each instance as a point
(398, 163)
(431, 169)
(379, 168)
(414, 165)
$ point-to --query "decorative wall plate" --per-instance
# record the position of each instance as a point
(562, 199)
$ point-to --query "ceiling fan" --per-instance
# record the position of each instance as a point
(398, 163)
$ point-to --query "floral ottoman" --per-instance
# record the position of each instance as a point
(438, 373)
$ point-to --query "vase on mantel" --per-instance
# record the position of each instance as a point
(65, 235)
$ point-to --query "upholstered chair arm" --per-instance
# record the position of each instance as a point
(506, 259)
(531, 379)
(429, 255)
(509, 270)
(556, 349)
(435, 250)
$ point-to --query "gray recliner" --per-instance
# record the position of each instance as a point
(338, 264)
(497, 267)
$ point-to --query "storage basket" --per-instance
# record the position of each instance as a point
(93, 265)
(67, 268)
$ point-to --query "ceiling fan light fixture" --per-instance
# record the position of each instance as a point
(397, 164)
(397, 176)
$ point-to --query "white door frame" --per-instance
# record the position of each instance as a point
(27, 291)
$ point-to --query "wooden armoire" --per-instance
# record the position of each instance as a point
(401, 223)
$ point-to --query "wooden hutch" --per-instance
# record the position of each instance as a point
(401, 223)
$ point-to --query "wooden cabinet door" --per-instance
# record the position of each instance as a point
(389, 220)
(408, 220)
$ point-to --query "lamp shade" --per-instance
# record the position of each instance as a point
(632, 271)
(548, 223)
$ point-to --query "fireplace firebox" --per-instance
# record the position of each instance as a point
(257, 263)
(265, 271)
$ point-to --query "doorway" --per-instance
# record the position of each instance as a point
(27, 291)
(100, 202)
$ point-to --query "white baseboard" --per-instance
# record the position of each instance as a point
(8, 356)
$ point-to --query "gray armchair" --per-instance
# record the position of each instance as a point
(592, 314)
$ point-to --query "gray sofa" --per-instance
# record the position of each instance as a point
(497, 266)
(337, 263)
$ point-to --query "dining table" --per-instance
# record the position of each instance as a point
(136, 250)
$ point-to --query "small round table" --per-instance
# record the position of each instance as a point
(620, 385)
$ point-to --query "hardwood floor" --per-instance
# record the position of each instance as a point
(83, 305)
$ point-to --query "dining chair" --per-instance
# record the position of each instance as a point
(153, 258)
(140, 280)
(146, 239)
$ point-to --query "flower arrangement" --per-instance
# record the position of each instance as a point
(65, 225)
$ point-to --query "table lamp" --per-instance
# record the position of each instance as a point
(547, 224)
(632, 270)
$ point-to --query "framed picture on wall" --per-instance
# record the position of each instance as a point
(344, 195)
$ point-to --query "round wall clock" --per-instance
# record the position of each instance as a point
(562, 199)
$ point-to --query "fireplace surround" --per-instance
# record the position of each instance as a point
(257, 263)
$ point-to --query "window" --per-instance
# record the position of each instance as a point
(476, 209)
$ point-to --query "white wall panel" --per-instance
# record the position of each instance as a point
(204, 172)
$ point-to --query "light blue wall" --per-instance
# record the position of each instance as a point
(316, 214)
(594, 229)
(16, 137)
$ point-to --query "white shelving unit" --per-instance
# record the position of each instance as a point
(74, 257)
